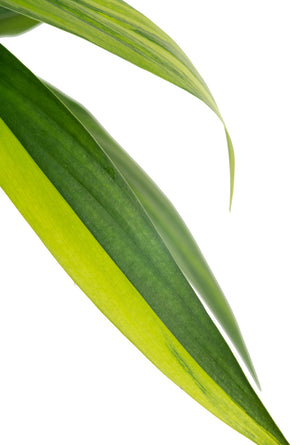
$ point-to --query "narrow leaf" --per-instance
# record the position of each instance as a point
(85, 213)
(169, 225)
(122, 30)
(12, 23)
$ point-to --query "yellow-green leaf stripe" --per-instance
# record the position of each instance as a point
(122, 30)
(98, 276)
(78, 203)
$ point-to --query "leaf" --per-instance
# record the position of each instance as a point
(122, 30)
(170, 227)
(12, 23)
(79, 205)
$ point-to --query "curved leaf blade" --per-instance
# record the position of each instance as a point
(80, 255)
(88, 217)
(122, 30)
(170, 227)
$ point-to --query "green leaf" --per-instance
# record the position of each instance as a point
(120, 29)
(12, 23)
(75, 199)
(170, 227)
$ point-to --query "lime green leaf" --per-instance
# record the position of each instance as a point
(85, 213)
(117, 27)
(12, 23)
(169, 225)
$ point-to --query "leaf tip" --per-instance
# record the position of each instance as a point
(231, 166)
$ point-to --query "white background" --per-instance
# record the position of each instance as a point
(67, 376)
